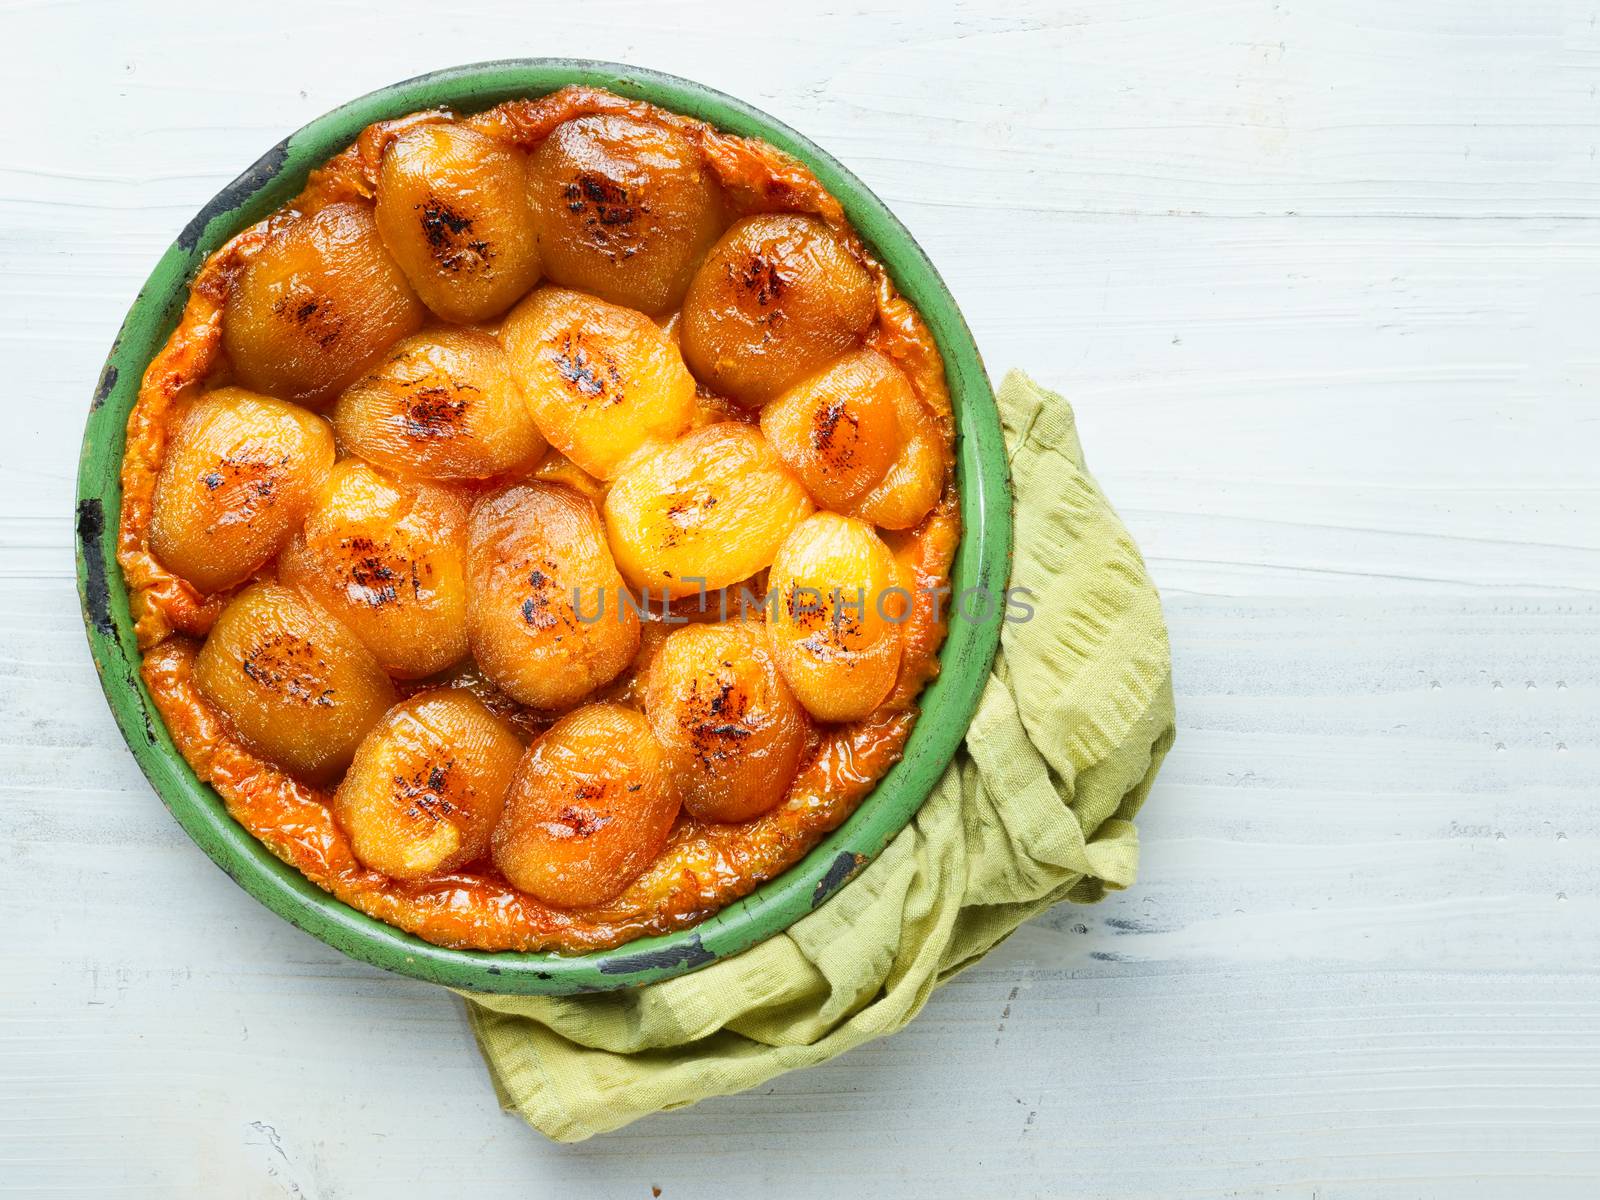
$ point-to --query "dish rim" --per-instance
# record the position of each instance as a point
(947, 704)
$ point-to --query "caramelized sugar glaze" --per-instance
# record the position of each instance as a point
(707, 809)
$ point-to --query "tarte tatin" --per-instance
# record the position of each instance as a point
(537, 530)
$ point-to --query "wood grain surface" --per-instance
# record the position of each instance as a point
(1321, 280)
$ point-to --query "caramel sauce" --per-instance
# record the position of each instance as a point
(704, 866)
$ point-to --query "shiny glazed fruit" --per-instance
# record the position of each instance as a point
(590, 807)
(537, 557)
(838, 430)
(427, 785)
(299, 688)
(626, 210)
(556, 467)
(240, 474)
(777, 298)
(317, 306)
(715, 698)
(707, 511)
(600, 380)
(387, 559)
(453, 212)
(834, 633)
(912, 484)
(441, 405)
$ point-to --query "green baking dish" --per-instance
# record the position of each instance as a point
(982, 560)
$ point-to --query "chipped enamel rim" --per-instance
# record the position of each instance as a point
(982, 560)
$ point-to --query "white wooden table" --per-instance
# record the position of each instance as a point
(1321, 277)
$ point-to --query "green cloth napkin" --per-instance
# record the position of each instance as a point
(1036, 808)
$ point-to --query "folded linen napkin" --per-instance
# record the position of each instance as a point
(1036, 808)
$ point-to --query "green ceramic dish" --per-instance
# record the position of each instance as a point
(982, 561)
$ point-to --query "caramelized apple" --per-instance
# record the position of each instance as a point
(626, 209)
(556, 467)
(777, 298)
(317, 307)
(427, 785)
(546, 615)
(833, 630)
(441, 405)
(706, 511)
(714, 696)
(600, 380)
(298, 687)
(453, 211)
(912, 484)
(838, 430)
(589, 808)
(240, 473)
(387, 558)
